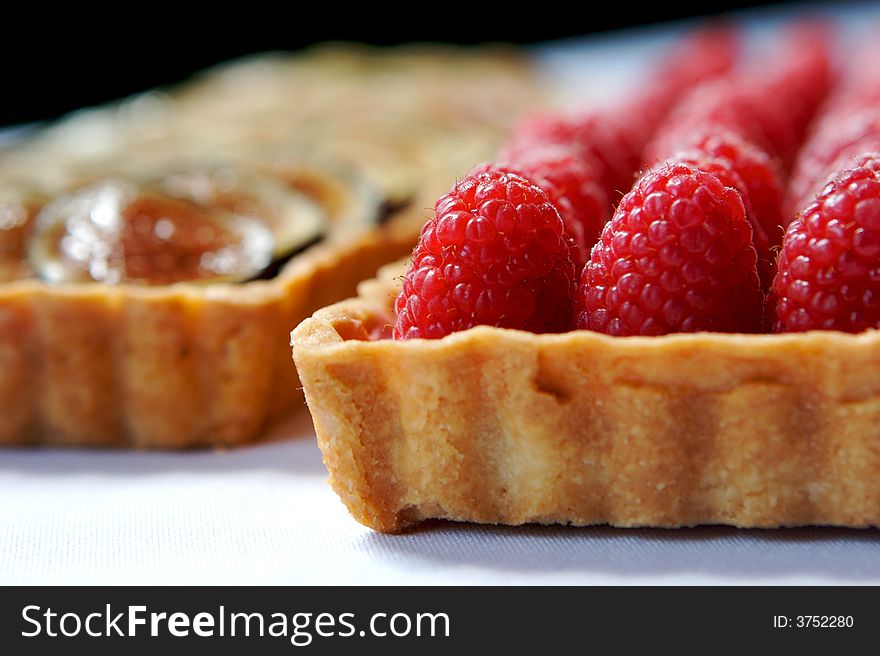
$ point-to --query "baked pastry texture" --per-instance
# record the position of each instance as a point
(197, 364)
(502, 426)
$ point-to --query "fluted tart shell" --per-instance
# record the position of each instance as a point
(506, 427)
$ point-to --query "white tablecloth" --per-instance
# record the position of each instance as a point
(265, 515)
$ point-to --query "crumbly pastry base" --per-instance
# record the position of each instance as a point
(168, 367)
(502, 426)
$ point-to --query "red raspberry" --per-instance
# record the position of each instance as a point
(609, 144)
(829, 267)
(838, 137)
(700, 55)
(493, 254)
(787, 100)
(676, 257)
(721, 106)
(860, 86)
(769, 109)
(755, 175)
(570, 183)
(697, 57)
(611, 141)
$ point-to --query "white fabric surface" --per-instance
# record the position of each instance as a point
(264, 515)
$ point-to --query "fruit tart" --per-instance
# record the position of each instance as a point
(712, 358)
(155, 254)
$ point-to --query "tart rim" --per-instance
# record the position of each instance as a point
(375, 292)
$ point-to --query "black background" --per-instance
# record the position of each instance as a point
(52, 63)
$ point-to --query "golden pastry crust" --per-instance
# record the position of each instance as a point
(196, 365)
(502, 426)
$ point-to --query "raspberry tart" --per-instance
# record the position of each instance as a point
(154, 255)
(447, 388)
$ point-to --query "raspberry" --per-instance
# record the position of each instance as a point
(751, 172)
(611, 141)
(699, 56)
(608, 144)
(788, 99)
(493, 254)
(769, 109)
(848, 126)
(676, 257)
(724, 105)
(570, 183)
(860, 86)
(839, 136)
(829, 267)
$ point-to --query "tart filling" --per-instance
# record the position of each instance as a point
(113, 233)
(292, 218)
(199, 224)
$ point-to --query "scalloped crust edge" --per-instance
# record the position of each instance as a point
(170, 367)
(507, 427)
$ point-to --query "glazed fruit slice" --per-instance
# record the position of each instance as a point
(294, 218)
(296, 204)
(301, 201)
(115, 232)
(381, 167)
(349, 199)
